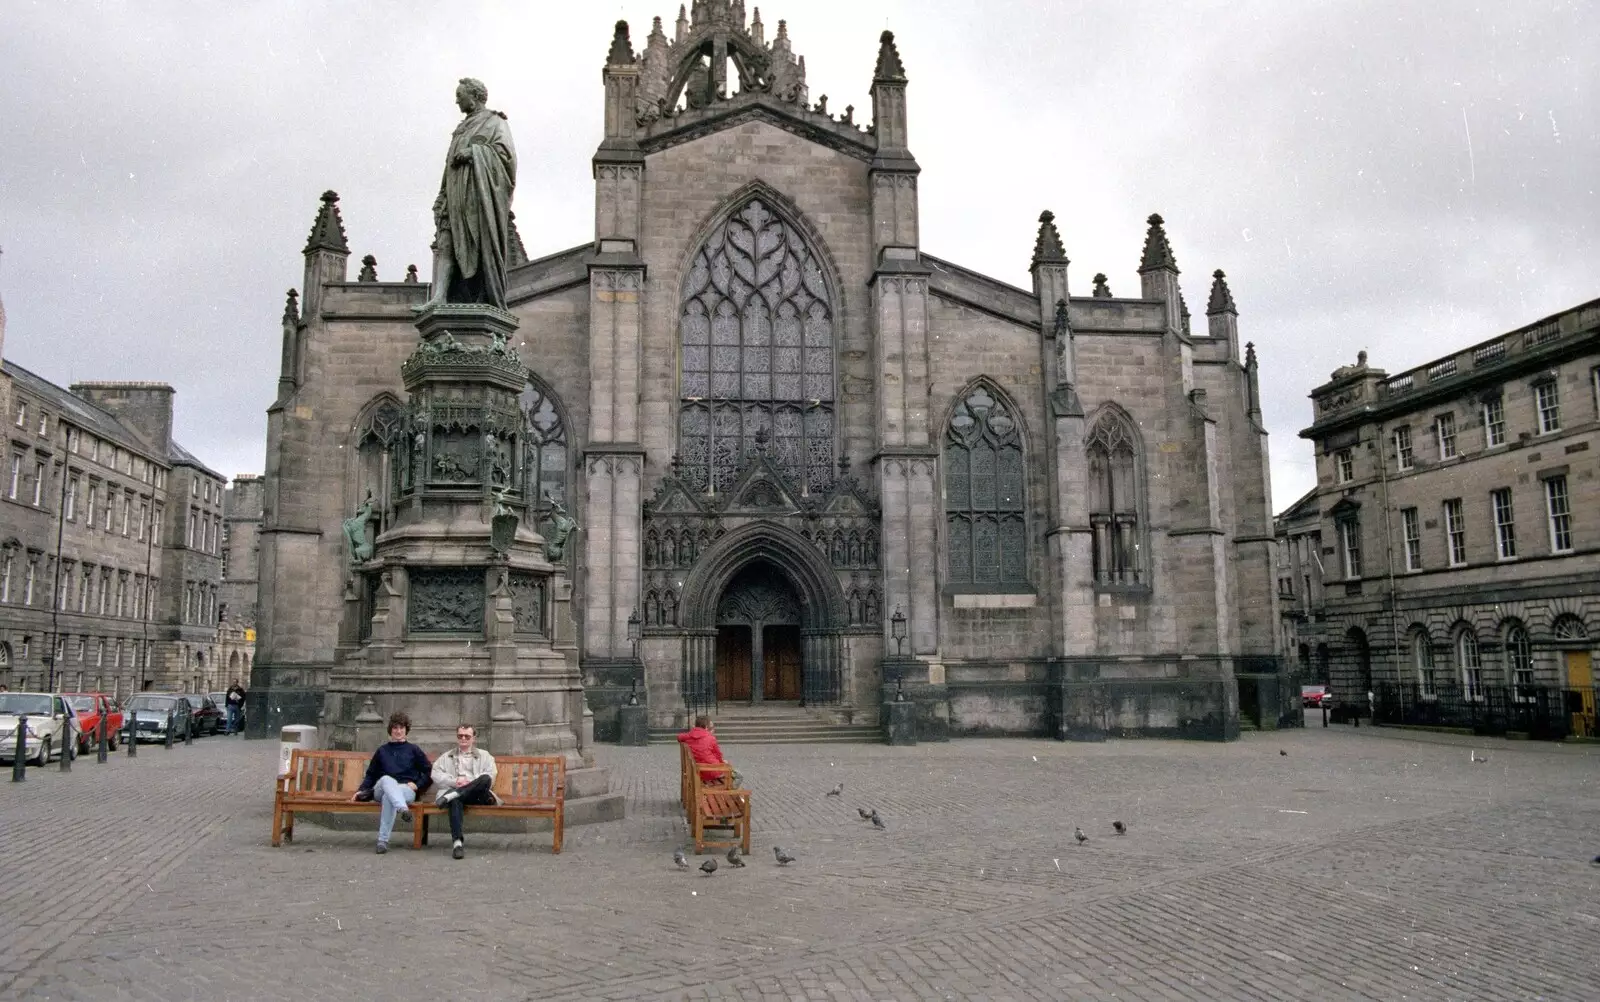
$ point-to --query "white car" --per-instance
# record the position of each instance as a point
(52, 726)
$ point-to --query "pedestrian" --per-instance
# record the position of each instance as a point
(465, 775)
(398, 772)
(235, 701)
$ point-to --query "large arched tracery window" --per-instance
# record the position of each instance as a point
(544, 446)
(984, 501)
(1114, 494)
(757, 354)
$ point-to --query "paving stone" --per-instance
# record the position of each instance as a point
(1366, 865)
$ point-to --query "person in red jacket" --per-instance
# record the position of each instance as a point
(703, 746)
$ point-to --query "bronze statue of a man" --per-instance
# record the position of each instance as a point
(473, 210)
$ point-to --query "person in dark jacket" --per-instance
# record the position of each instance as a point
(235, 700)
(398, 772)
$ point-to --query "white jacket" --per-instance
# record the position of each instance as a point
(445, 771)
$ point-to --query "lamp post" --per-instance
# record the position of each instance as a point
(897, 630)
(634, 631)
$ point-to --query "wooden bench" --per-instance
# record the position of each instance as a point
(326, 780)
(686, 766)
(525, 784)
(718, 805)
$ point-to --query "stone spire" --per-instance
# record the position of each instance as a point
(1221, 298)
(889, 66)
(1252, 381)
(516, 253)
(411, 275)
(1183, 313)
(621, 53)
(1157, 252)
(369, 269)
(682, 27)
(327, 233)
(1047, 248)
(1101, 289)
(291, 309)
(758, 31)
(1222, 317)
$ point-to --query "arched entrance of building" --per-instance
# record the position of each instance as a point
(759, 657)
(763, 616)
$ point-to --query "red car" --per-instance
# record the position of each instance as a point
(1315, 695)
(89, 707)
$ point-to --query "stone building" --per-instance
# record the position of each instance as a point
(1298, 529)
(109, 540)
(809, 459)
(1459, 535)
(236, 611)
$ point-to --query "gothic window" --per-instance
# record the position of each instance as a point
(757, 355)
(984, 494)
(377, 434)
(544, 446)
(1114, 490)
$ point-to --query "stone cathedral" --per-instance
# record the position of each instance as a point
(811, 465)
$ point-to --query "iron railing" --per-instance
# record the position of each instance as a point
(1540, 712)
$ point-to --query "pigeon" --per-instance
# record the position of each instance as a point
(1119, 827)
(1078, 834)
(679, 858)
(1473, 756)
(782, 856)
(837, 791)
(1283, 753)
(709, 867)
(877, 822)
(734, 859)
(866, 815)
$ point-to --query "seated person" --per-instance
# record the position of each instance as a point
(702, 744)
(465, 775)
(397, 773)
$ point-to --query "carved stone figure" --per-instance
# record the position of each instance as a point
(355, 532)
(561, 526)
(472, 212)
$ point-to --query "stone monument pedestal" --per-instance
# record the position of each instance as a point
(633, 725)
(457, 609)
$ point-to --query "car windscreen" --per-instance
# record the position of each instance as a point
(24, 702)
(162, 704)
(83, 704)
(195, 700)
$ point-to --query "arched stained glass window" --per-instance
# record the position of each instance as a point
(1112, 451)
(544, 446)
(757, 354)
(983, 496)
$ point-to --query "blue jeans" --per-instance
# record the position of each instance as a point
(394, 797)
(233, 719)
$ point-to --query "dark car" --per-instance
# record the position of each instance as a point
(208, 718)
(1315, 695)
(149, 713)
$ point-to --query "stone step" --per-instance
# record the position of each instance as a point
(798, 732)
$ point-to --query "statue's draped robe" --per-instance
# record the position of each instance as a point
(475, 207)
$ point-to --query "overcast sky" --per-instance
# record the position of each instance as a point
(1405, 178)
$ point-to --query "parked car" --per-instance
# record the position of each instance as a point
(150, 712)
(51, 727)
(90, 707)
(208, 717)
(1315, 695)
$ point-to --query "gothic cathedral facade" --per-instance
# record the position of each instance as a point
(809, 462)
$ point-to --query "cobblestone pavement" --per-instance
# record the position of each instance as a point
(1363, 865)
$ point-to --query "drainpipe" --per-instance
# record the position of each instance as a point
(1388, 554)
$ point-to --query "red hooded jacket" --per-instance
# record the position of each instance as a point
(703, 746)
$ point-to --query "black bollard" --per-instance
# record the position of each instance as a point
(131, 718)
(69, 744)
(1324, 713)
(188, 732)
(100, 751)
(19, 761)
(170, 726)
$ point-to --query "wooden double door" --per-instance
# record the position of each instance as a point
(759, 659)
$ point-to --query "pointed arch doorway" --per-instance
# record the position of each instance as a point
(758, 649)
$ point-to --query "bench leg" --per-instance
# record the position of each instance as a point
(559, 826)
(419, 828)
(277, 824)
(746, 826)
(288, 826)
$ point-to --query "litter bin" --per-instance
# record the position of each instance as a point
(291, 737)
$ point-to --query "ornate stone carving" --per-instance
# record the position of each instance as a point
(527, 602)
(355, 532)
(445, 600)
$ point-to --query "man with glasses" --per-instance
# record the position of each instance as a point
(465, 775)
